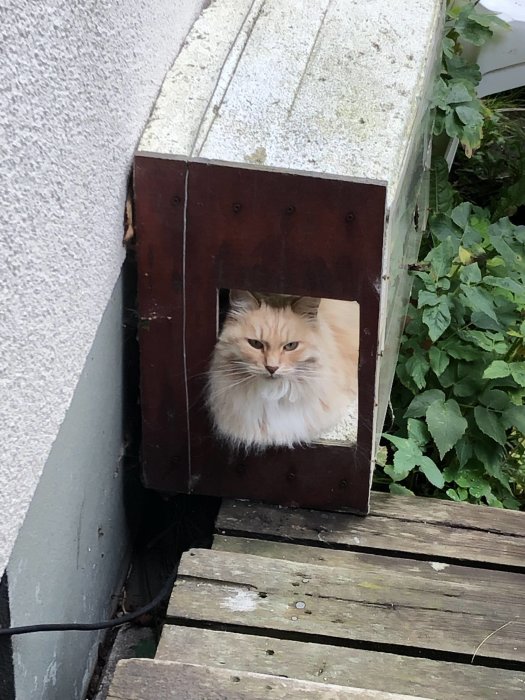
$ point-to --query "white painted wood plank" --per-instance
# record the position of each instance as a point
(324, 86)
(200, 73)
(351, 108)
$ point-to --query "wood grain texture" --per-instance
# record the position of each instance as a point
(335, 602)
(331, 664)
(442, 512)
(465, 587)
(149, 679)
(408, 525)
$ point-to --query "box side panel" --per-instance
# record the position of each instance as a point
(159, 217)
(203, 227)
(406, 222)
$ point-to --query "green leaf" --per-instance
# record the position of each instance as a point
(470, 138)
(489, 423)
(460, 351)
(441, 192)
(441, 257)
(467, 387)
(514, 416)
(487, 19)
(439, 360)
(517, 370)
(505, 283)
(486, 340)
(457, 67)
(478, 300)
(497, 369)
(458, 92)
(381, 456)
(491, 456)
(463, 450)
(418, 431)
(512, 258)
(441, 226)
(397, 473)
(481, 320)
(495, 398)
(469, 114)
(480, 490)
(417, 368)
(399, 490)
(470, 274)
(426, 298)
(460, 214)
(407, 456)
(431, 471)
(446, 424)
(453, 126)
(437, 319)
(419, 404)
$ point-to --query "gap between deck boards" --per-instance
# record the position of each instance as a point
(325, 640)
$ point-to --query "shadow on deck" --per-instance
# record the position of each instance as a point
(421, 599)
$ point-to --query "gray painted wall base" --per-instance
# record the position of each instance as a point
(70, 556)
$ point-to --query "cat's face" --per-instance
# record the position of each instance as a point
(268, 341)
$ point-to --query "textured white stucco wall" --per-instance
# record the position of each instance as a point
(78, 79)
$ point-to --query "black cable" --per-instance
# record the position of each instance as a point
(106, 624)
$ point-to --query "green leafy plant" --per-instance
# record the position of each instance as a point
(494, 177)
(459, 112)
(458, 415)
(459, 404)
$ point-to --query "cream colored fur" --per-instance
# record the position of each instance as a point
(313, 384)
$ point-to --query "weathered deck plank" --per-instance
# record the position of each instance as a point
(340, 666)
(465, 588)
(288, 605)
(150, 679)
(482, 535)
(326, 602)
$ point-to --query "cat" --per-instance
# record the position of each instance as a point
(283, 370)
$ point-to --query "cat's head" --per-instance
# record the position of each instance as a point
(270, 336)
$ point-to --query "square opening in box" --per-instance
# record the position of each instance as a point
(283, 372)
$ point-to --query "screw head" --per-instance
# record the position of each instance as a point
(176, 200)
(236, 207)
(289, 210)
(350, 217)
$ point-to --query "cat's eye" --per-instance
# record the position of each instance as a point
(291, 346)
(255, 343)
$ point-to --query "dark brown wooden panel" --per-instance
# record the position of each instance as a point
(159, 219)
(264, 231)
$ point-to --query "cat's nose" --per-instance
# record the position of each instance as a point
(271, 369)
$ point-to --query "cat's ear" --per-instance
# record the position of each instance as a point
(241, 301)
(306, 306)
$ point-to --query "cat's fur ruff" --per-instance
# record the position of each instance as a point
(313, 384)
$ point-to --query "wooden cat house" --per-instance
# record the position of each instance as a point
(287, 153)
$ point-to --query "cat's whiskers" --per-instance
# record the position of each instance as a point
(225, 389)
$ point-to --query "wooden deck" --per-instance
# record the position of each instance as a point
(420, 599)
